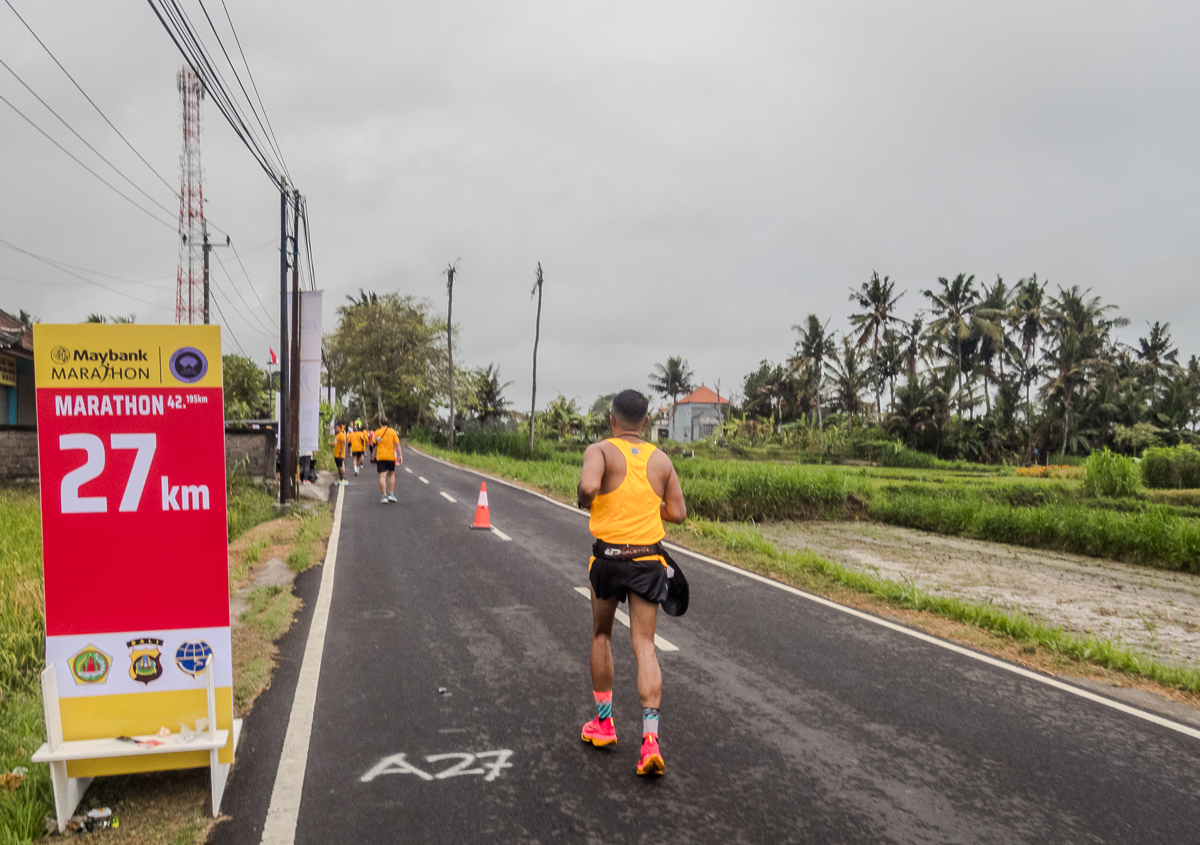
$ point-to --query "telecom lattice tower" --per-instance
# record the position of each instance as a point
(189, 282)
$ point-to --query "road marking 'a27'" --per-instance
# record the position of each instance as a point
(493, 763)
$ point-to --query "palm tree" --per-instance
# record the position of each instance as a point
(1080, 330)
(988, 322)
(952, 308)
(849, 378)
(364, 298)
(814, 346)
(878, 306)
(914, 408)
(1029, 320)
(672, 379)
(915, 345)
(1158, 350)
(489, 393)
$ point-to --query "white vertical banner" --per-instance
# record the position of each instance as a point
(310, 370)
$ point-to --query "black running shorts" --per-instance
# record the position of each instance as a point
(385, 466)
(359, 454)
(337, 462)
(619, 578)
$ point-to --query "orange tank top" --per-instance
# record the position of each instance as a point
(630, 514)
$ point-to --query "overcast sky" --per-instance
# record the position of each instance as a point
(694, 177)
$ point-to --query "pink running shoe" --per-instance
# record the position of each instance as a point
(652, 761)
(600, 733)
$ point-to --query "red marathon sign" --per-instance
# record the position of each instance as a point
(131, 444)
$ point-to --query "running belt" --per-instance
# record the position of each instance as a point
(678, 594)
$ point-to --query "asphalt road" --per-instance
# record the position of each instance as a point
(454, 683)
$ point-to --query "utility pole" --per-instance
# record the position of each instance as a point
(293, 456)
(537, 333)
(208, 247)
(450, 271)
(285, 482)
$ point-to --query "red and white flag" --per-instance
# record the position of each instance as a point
(274, 360)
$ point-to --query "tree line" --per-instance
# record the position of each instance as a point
(984, 372)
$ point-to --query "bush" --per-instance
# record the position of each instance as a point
(1175, 468)
(1110, 474)
(896, 455)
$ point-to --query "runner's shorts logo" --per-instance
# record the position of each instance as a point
(188, 364)
(60, 355)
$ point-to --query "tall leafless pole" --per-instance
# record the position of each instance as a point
(537, 333)
(450, 271)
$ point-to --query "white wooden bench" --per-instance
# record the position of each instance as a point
(68, 791)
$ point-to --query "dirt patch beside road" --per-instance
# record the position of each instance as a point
(1149, 610)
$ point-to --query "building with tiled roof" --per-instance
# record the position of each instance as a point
(697, 415)
(16, 372)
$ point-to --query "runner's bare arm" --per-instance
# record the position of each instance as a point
(591, 476)
(673, 508)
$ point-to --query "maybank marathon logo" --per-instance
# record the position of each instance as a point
(105, 366)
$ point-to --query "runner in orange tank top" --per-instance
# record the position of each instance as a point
(630, 487)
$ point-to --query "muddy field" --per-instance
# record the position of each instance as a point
(1148, 610)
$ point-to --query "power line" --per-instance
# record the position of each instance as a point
(312, 270)
(181, 32)
(74, 158)
(237, 76)
(225, 323)
(71, 129)
(99, 111)
(254, 85)
(90, 100)
(274, 320)
(50, 263)
(249, 310)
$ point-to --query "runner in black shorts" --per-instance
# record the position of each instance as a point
(630, 487)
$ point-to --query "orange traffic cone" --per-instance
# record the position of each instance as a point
(482, 518)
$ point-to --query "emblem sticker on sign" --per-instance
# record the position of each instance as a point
(188, 364)
(90, 666)
(145, 663)
(192, 657)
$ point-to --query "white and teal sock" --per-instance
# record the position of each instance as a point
(649, 721)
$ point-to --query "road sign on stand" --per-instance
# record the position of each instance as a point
(131, 445)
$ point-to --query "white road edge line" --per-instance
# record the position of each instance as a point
(501, 534)
(280, 825)
(1049, 681)
(448, 497)
(409, 471)
(623, 618)
(424, 480)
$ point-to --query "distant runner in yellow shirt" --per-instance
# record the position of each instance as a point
(339, 453)
(358, 446)
(387, 455)
(630, 487)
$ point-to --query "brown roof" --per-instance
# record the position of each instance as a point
(15, 336)
(703, 396)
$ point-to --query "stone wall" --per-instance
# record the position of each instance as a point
(18, 453)
(251, 452)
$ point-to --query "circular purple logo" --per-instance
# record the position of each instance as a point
(188, 364)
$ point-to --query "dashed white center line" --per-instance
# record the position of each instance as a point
(409, 471)
(623, 618)
(424, 480)
(447, 496)
(501, 534)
